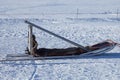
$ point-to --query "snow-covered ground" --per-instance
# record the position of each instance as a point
(88, 27)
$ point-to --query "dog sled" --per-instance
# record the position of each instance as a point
(72, 52)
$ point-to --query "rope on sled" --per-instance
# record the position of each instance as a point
(117, 44)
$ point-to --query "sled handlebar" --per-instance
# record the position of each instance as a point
(58, 36)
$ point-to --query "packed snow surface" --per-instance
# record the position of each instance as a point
(85, 22)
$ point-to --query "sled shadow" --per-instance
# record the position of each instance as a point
(105, 56)
(101, 56)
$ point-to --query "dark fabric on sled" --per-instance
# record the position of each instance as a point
(70, 51)
(59, 52)
(100, 45)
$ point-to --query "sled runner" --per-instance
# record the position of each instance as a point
(72, 52)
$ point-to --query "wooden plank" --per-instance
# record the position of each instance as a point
(17, 55)
(30, 39)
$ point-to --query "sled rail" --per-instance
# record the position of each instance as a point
(56, 35)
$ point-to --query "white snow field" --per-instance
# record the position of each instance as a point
(94, 22)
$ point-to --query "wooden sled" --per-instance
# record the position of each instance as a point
(100, 51)
(79, 51)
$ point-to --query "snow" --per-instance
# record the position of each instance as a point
(89, 27)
